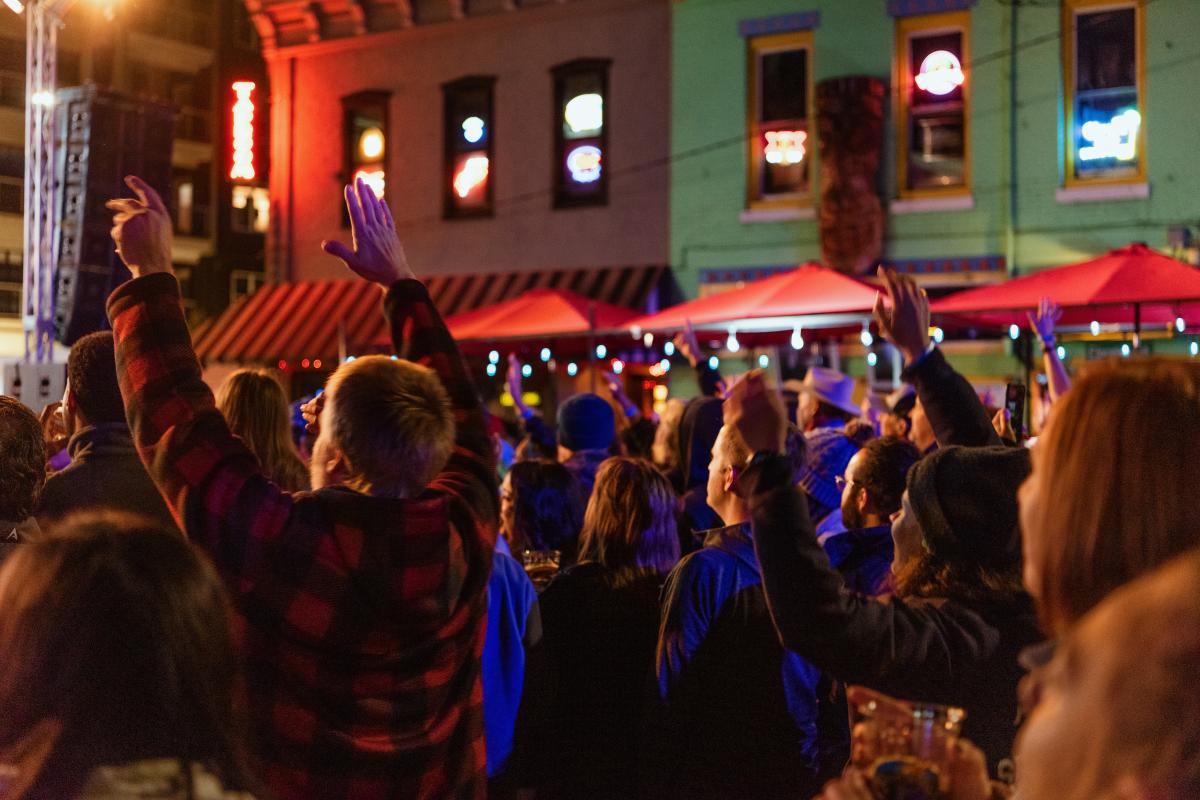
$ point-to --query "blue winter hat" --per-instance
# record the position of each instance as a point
(827, 452)
(586, 422)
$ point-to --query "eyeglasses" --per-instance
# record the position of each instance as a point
(841, 482)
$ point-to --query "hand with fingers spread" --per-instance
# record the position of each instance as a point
(906, 323)
(142, 229)
(54, 429)
(756, 410)
(1048, 315)
(376, 253)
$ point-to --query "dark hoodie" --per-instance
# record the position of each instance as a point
(702, 421)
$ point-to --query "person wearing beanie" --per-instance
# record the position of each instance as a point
(960, 616)
(586, 429)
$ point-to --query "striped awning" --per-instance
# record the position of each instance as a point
(325, 319)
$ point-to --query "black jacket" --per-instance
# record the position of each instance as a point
(105, 473)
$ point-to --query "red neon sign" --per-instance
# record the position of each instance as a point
(243, 132)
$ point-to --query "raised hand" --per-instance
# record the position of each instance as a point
(142, 229)
(756, 410)
(54, 429)
(687, 344)
(311, 411)
(516, 386)
(906, 323)
(1048, 315)
(376, 254)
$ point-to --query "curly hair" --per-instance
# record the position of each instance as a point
(22, 460)
(92, 377)
(884, 468)
(547, 506)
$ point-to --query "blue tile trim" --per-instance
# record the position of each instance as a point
(786, 23)
(911, 8)
(944, 266)
(741, 274)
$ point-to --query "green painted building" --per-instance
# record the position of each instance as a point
(1015, 136)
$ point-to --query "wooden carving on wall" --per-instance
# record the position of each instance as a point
(850, 131)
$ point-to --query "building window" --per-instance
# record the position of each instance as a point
(365, 121)
(581, 163)
(250, 209)
(780, 93)
(469, 147)
(933, 104)
(244, 282)
(1104, 67)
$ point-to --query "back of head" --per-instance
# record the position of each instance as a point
(22, 461)
(92, 376)
(547, 506)
(965, 502)
(666, 435)
(1127, 714)
(392, 420)
(630, 520)
(586, 422)
(702, 421)
(1112, 494)
(254, 405)
(116, 645)
(884, 471)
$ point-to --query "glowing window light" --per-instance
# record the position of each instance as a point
(601, 351)
(15, 5)
(243, 132)
(941, 73)
(572, 369)
(1116, 138)
(584, 113)
(472, 175)
(491, 370)
(584, 164)
(798, 338)
(872, 359)
(373, 178)
(473, 128)
(764, 361)
(784, 147)
(370, 144)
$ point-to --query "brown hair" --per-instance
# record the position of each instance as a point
(1116, 489)
(92, 377)
(22, 460)
(630, 519)
(116, 644)
(931, 576)
(256, 409)
(392, 420)
(666, 435)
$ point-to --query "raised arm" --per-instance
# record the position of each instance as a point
(709, 380)
(954, 410)
(1043, 325)
(886, 645)
(210, 480)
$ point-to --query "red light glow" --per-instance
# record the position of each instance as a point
(282, 364)
(472, 174)
(243, 132)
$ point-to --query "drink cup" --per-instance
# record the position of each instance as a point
(541, 566)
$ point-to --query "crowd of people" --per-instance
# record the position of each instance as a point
(605, 605)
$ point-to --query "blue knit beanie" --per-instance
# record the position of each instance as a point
(827, 452)
(586, 422)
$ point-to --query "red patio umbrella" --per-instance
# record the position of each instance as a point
(1130, 285)
(540, 314)
(820, 296)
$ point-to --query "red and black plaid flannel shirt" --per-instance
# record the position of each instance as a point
(361, 618)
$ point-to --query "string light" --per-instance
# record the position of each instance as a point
(669, 348)
(494, 357)
(865, 337)
(572, 369)
(764, 361)
(601, 351)
(665, 364)
(1194, 349)
(527, 370)
(1014, 332)
(714, 362)
(1062, 353)
(797, 339)
(1180, 325)
(731, 343)
(1125, 350)
(491, 370)
(1094, 328)
(618, 366)
(545, 355)
(938, 335)
(648, 340)
(872, 359)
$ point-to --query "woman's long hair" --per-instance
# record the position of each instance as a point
(630, 519)
(256, 409)
(1114, 481)
(116, 647)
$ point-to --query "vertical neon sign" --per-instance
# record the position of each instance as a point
(243, 132)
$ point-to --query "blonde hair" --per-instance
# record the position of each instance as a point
(630, 518)
(255, 407)
(392, 421)
(1117, 495)
(666, 436)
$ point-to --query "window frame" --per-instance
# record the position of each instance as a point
(1070, 10)
(374, 99)
(450, 209)
(756, 48)
(563, 198)
(904, 77)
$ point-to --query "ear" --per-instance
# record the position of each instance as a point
(864, 500)
(336, 465)
(731, 478)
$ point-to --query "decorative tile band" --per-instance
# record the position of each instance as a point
(911, 8)
(785, 23)
(950, 266)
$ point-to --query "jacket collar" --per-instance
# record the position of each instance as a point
(106, 438)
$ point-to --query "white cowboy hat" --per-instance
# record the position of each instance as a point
(832, 387)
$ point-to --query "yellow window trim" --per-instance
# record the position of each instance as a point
(1069, 10)
(902, 79)
(756, 46)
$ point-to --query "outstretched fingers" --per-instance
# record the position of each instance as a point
(146, 194)
(367, 199)
(354, 208)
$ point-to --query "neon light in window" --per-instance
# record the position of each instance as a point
(370, 144)
(785, 147)
(1116, 138)
(243, 132)
(471, 175)
(373, 178)
(584, 113)
(584, 164)
(473, 128)
(941, 73)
